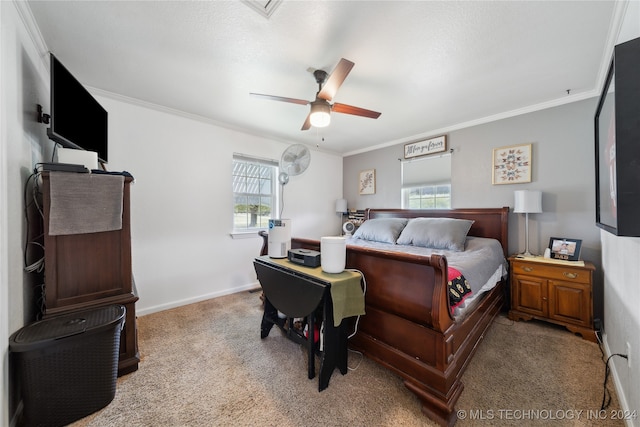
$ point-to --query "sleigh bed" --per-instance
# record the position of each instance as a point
(411, 324)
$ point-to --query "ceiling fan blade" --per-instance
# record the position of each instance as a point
(335, 80)
(307, 123)
(356, 111)
(280, 98)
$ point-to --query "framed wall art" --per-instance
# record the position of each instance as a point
(367, 181)
(564, 248)
(512, 164)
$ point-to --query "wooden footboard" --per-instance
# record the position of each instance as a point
(408, 327)
(435, 375)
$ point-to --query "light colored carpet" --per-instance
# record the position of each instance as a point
(205, 365)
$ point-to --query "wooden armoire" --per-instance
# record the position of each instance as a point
(92, 270)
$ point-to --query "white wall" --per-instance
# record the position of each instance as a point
(181, 201)
(620, 257)
(23, 84)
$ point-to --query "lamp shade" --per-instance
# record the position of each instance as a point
(528, 201)
(341, 206)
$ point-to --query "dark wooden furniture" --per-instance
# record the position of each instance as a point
(556, 292)
(299, 292)
(408, 327)
(92, 270)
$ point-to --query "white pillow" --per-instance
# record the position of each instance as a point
(384, 230)
(436, 233)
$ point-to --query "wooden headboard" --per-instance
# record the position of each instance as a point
(488, 222)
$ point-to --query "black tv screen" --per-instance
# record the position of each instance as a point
(77, 119)
(617, 144)
(606, 200)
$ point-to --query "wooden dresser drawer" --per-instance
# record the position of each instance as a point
(553, 271)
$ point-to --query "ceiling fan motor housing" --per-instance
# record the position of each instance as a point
(320, 76)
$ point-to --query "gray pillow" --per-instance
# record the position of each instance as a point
(384, 230)
(436, 233)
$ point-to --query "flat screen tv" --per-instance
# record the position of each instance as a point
(617, 144)
(77, 119)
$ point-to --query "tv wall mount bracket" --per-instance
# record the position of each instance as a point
(42, 117)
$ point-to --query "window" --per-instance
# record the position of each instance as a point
(427, 197)
(426, 183)
(254, 192)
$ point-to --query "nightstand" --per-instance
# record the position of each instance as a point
(555, 291)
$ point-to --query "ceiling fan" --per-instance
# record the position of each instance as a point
(328, 85)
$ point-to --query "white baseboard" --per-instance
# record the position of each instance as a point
(193, 300)
(624, 406)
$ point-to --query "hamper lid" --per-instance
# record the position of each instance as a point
(66, 325)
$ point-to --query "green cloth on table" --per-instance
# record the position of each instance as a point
(346, 291)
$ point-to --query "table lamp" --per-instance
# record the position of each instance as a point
(526, 202)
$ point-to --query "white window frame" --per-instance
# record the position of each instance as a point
(256, 187)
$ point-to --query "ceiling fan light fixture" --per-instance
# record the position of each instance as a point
(320, 114)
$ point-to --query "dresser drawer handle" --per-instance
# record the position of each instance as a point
(570, 275)
(528, 269)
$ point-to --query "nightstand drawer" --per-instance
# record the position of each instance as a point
(556, 271)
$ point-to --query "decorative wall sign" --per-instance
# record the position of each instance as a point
(428, 146)
(512, 164)
(367, 182)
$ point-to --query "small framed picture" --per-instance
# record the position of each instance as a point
(564, 248)
(367, 182)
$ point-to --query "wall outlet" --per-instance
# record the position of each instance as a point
(628, 354)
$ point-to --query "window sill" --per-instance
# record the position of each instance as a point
(244, 234)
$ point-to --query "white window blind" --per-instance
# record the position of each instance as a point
(426, 183)
(426, 171)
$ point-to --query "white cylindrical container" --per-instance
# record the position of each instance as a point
(333, 254)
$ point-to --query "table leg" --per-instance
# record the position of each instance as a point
(269, 318)
(335, 346)
(343, 350)
(311, 345)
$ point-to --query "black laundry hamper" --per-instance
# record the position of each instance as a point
(67, 365)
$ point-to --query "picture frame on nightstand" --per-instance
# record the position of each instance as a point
(565, 249)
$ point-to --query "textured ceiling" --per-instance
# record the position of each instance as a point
(428, 66)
